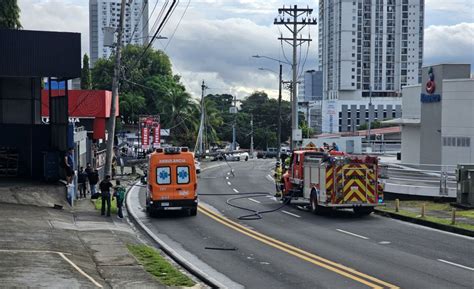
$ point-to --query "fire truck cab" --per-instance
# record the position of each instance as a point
(172, 181)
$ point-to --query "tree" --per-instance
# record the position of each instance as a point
(9, 14)
(86, 78)
(148, 86)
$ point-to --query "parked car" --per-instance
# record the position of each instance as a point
(244, 156)
(260, 154)
(271, 153)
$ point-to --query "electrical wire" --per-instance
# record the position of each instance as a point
(179, 22)
(136, 25)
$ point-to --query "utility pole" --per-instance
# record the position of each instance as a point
(294, 24)
(370, 120)
(251, 136)
(280, 82)
(115, 87)
(201, 125)
(233, 124)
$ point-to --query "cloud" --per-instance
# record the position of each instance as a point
(449, 44)
(55, 15)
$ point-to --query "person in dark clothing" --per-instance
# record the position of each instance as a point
(81, 182)
(93, 180)
(88, 171)
(105, 187)
(119, 194)
(69, 165)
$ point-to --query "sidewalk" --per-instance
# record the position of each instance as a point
(70, 248)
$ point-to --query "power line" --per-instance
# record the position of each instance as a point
(145, 3)
(179, 22)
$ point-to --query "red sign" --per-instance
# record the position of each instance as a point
(156, 135)
(145, 137)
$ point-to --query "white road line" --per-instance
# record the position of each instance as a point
(226, 178)
(31, 251)
(229, 183)
(291, 214)
(457, 265)
(235, 190)
(80, 270)
(352, 234)
(255, 201)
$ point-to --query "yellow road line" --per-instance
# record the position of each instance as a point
(309, 257)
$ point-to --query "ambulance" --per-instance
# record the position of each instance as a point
(171, 181)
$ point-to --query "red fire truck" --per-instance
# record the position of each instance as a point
(333, 180)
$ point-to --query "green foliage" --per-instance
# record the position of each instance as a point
(86, 78)
(265, 118)
(9, 14)
(156, 265)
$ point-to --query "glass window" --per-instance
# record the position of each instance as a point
(182, 175)
(163, 175)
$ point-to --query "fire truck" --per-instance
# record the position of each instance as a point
(333, 180)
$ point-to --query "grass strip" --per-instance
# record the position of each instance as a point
(159, 267)
(430, 218)
(113, 205)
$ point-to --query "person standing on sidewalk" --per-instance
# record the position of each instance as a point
(93, 180)
(88, 171)
(69, 165)
(81, 182)
(119, 194)
(105, 187)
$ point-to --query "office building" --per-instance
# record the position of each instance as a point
(438, 123)
(368, 48)
(104, 16)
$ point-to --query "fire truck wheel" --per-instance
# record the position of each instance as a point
(314, 202)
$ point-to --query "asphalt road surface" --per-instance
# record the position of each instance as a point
(292, 248)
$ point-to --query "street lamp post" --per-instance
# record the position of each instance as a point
(280, 83)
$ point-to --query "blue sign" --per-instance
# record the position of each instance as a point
(427, 98)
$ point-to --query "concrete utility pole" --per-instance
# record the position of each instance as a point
(201, 125)
(279, 111)
(233, 124)
(251, 136)
(115, 87)
(370, 120)
(294, 25)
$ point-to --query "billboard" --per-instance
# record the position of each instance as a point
(330, 117)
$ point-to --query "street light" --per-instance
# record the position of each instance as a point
(280, 81)
(270, 58)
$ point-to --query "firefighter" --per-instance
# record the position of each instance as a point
(277, 176)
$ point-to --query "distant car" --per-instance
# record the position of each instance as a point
(244, 156)
(197, 164)
(271, 153)
(260, 154)
(232, 157)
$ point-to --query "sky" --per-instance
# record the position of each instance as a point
(216, 39)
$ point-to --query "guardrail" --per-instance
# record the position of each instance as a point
(436, 180)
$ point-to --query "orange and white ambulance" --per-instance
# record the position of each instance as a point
(172, 181)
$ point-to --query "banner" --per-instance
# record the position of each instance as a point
(145, 137)
(156, 135)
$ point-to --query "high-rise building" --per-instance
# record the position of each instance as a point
(104, 15)
(310, 94)
(369, 48)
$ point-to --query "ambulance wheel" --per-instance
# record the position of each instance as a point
(193, 211)
(314, 202)
(363, 211)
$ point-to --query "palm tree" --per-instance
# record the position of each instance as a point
(9, 14)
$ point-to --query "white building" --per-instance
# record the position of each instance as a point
(369, 48)
(438, 127)
(106, 13)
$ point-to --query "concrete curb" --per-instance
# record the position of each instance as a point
(426, 223)
(170, 251)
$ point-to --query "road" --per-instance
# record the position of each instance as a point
(291, 248)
